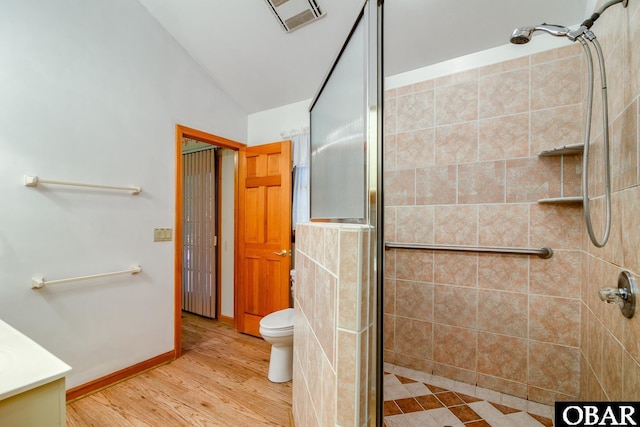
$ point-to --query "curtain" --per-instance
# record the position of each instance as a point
(300, 145)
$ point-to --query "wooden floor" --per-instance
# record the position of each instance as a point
(221, 380)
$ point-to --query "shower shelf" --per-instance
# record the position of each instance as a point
(569, 200)
(565, 149)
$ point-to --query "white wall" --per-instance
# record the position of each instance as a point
(91, 91)
(266, 126)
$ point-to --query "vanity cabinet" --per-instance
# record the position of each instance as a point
(32, 382)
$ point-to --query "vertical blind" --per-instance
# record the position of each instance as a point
(199, 228)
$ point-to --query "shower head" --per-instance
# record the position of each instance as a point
(522, 35)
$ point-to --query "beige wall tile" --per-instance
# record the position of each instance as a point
(502, 312)
(554, 83)
(503, 225)
(329, 387)
(631, 222)
(331, 242)
(554, 367)
(571, 175)
(632, 79)
(349, 284)
(559, 227)
(400, 187)
(501, 67)
(457, 78)
(454, 346)
(415, 88)
(417, 300)
(315, 248)
(389, 333)
(594, 345)
(456, 306)
(390, 153)
(481, 182)
(624, 149)
(612, 369)
(501, 385)
(504, 137)
(415, 149)
(414, 265)
(503, 357)
(414, 338)
(455, 268)
(415, 111)
(556, 127)
(389, 296)
(454, 373)
(554, 320)
(414, 224)
(631, 378)
(613, 251)
(456, 103)
(555, 54)
(549, 397)
(559, 275)
(615, 73)
(504, 94)
(389, 225)
(324, 325)
(503, 272)
(456, 225)
(347, 380)
(456, 143)
(436, 185)
(390, 111)
(532, 179)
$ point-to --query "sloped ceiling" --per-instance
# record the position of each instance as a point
(245, 51)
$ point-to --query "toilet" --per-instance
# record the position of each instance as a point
(277, 329)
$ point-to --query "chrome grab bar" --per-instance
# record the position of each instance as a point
(543, 252)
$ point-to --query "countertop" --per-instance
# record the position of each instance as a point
(24, 364)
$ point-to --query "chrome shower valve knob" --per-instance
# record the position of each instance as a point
(624, 295)
(613, 295)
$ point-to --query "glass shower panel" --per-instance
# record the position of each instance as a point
(338, 137)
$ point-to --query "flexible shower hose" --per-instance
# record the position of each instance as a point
(587, 136)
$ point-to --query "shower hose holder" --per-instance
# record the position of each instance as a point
(624, 295)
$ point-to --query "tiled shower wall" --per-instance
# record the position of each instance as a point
(610, 343)
(334, 325)
(462, 168)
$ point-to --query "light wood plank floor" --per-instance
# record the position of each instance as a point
(221, 380)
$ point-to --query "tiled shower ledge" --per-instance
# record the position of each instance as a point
(471, 390)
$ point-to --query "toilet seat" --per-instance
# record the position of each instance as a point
(277, 324)
(281, 319)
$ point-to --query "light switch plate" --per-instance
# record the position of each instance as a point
(162, 234)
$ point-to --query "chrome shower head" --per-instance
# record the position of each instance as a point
(522, 35)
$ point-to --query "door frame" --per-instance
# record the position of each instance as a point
(187, 132)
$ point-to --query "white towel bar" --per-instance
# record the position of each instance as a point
(33, 181)
(39, 282)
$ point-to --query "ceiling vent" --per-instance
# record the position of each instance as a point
(292, 14)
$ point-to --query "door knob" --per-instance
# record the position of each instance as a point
(281, 253)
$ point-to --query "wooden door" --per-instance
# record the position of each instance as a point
(264, 233)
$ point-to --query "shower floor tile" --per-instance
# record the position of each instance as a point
(413, 398)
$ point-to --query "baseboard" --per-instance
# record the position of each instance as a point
(115, 377)
(225, 319)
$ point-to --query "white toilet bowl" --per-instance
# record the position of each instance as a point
(277, 329)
